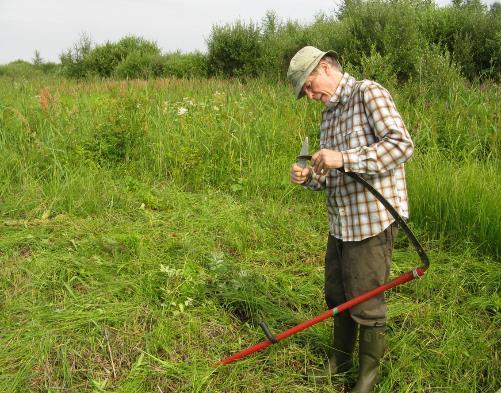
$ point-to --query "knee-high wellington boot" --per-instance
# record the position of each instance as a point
(371, 350)
(345, 335)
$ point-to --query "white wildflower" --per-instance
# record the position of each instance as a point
(181, 111)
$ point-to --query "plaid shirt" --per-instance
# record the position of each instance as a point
(361, 122)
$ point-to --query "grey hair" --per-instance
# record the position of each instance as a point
(332, 61)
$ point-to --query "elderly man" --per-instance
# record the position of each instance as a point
(361, 131)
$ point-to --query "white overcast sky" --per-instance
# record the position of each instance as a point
(54, 25)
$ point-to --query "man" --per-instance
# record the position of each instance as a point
(361, 131)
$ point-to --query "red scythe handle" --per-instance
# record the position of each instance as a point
(406, 277)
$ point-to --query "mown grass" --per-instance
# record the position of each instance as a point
(139, 246)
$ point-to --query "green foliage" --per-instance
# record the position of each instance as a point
(136, 65)
(465, 204)
(120, 135)
(438, 71)
(179, 65)
(134, 52)
(37, 59)
(388, 28)
(130, 58)
(106, 60)
(471, 33)
(374, 67)
(24, 69)
(73, 60)
(280, 42)
(19, 68)
(399, 32)
(235, 50)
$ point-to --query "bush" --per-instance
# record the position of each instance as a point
(131, 57)
(389, 29)
(374, 67)
(72, 60)
(471, 34)
(135, 51)
(180, 65)
(438, 71)
(280, 42)
(136, 65)
(103, 60)
(235, 50)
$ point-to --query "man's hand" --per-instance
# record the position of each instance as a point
(326, 159)
(298, 174)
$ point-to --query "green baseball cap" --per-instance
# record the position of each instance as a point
(301, 66)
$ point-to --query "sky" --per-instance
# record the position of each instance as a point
(51, 26)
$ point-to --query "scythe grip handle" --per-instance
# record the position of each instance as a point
(269, 335)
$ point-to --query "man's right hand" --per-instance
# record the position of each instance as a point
(298, 174)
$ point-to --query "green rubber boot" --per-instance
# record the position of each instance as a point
(341, 360)
(371, 351)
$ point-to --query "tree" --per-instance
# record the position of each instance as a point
(37, 59)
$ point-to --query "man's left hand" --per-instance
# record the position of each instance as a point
(326, 159)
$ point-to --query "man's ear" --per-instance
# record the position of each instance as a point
(326, 67)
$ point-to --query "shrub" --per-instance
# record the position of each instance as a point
(135, 51)
(72, 60)
(389, 29)
(471, 34)
(438, 71)
(374, 67)
(103, 60)
(235, 50)
(180, 65)
(280, 43)
(136, 65)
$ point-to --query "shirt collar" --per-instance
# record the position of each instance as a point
(343, 91)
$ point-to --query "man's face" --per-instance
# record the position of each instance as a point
(321, 84)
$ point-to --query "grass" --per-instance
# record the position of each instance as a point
(139, 246)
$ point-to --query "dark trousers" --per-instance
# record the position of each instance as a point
(353, 268)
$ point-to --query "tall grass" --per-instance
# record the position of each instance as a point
(463, 209)
(240, 138)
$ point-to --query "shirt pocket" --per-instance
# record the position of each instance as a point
(359, 135)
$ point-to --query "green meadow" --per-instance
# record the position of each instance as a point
(147, 227)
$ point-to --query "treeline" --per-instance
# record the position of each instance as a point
(389, 40)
